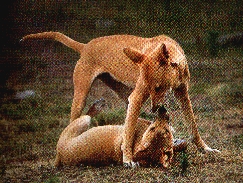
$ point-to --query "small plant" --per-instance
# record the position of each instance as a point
(184, 162)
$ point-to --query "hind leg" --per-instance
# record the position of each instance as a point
(74, 129)
(83, 78)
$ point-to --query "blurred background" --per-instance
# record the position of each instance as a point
(36, 76)
(201, 27)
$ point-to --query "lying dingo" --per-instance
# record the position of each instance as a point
(135, 68)
(102, 145)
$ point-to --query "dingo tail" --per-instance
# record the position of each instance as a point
(78, 47)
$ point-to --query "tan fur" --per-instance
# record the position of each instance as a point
(78, 47)
(139, 68)
(102, 145)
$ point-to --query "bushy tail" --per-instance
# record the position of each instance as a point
(78, 47)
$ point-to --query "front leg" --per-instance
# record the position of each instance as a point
(136, 99)
(182, 95)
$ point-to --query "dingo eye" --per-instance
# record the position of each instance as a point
(157, 89)
(152, 128)
(174, 64)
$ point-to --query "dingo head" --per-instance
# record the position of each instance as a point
(157, 140)
(161, 68)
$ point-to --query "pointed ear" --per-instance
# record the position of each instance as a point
(164, 51)
(164, 55)
(134, 55)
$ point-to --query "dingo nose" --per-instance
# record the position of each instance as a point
(157, 107)
(154, 108)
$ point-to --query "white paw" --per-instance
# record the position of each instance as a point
(208, 149)
(131, 164)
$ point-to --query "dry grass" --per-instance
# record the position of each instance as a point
(31, 128)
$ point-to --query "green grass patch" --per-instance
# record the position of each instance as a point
(200, 88)
(53, 179)
(227, 93)
(111, 117)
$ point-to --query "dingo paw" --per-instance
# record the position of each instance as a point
(131, 164)
(179, 145)
(208, 149)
